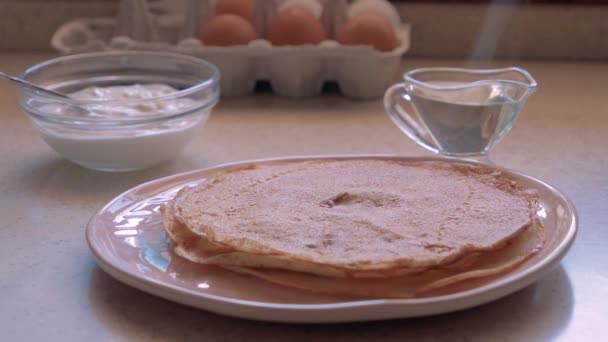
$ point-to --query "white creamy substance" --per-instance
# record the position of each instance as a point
(129, 93)
(125, 147)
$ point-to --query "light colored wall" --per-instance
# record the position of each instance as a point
(531, 31)
(438, 30)
(29, 24)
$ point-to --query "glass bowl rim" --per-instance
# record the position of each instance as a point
(211, 81)
(411, 77)
(214, 78)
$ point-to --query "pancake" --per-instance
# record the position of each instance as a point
(185, 238)
(489, 263)
(198, 249)
(353, 218)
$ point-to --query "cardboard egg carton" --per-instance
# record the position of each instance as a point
(294, 71)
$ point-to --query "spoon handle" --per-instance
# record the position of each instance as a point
(31, 86)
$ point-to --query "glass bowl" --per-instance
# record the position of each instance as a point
(104, 134)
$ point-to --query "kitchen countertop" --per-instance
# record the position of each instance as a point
(51, 288)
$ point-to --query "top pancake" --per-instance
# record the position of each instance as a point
(358, 214)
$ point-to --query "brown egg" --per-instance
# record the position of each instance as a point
(369, 29)
(295, 25)
(226, 30)
(242, 8)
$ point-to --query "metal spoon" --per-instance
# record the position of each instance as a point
(32, 86)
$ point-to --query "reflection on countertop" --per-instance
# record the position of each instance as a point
(53, 290)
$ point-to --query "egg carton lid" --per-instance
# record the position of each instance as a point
(97, 34)
(258, 60)
(168, 24)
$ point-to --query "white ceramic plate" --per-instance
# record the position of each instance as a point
(128, 241)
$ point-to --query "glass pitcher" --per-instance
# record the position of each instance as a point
(458, 112)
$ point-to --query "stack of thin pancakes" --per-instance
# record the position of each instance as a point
(366, 228)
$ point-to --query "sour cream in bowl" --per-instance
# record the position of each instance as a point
(125, 111)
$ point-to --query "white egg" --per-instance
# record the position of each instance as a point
(313, 6)
(189, 42)
(381, 7)
(121, 42)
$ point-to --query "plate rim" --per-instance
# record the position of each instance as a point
(159, 288)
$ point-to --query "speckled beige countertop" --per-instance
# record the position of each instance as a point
(51, 289)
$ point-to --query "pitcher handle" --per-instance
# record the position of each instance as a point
(406, 123)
